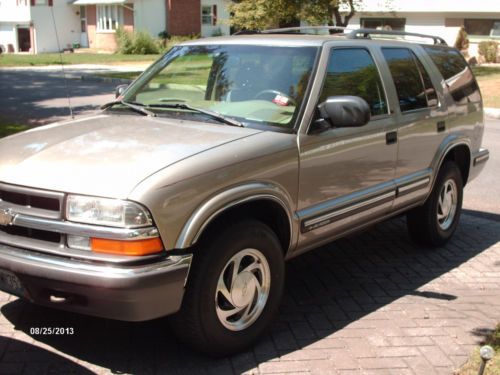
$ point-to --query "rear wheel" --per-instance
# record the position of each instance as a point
(434, 223)
(234, 289)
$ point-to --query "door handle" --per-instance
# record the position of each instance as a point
(441, 126)
(391, 137)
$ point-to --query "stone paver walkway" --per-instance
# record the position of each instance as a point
(372, 303)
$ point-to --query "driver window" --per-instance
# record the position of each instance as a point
(352, 71)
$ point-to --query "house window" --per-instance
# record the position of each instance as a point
(209, 15)
(384, 23)
(482, 27)
(109, 17)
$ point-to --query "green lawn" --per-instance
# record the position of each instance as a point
(489, 82)
(12, 59)
(493, 366)
(8, 128)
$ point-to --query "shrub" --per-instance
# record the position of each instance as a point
(489, 50)
(176, 39)
(462, 41)
(144, 44)
(124, 41)
(136, 43)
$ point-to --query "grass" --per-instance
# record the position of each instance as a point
(493, 366)
(12, 59)
(488, 79)
(9, 128)
(193, 70)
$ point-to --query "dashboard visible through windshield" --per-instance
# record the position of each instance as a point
(252, 84)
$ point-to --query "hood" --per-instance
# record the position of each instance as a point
(106, 155)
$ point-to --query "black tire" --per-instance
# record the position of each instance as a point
(423, 224)
(197, 323)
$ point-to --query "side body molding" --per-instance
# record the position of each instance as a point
(232, 197)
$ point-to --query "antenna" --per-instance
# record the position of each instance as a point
(62, 64)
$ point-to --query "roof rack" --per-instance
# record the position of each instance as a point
(367, 32)
(291, 30)
(285, 30)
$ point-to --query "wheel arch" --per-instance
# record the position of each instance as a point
(264, 202)
(457, 149)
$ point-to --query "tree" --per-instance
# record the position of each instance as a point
(261, 14)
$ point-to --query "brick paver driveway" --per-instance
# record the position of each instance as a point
(370, 303)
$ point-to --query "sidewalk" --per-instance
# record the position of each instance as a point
(372, 303)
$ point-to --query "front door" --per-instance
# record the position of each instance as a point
(84, 39)
(346, 174)
(23, 39)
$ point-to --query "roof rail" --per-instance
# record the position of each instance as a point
(284, 30)
(367, 32)
(291, 30)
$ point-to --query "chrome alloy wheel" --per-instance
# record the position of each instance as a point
(447, 204)
(243, 289)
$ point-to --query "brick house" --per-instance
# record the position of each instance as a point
(27, 25)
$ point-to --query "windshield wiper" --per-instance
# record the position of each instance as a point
(213, 114)
(139, 108)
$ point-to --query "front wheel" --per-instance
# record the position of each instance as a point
(434, 223)
(234, 289)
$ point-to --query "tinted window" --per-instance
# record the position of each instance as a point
(457, 74)
(352, 71)
(409, 79)
(430, 91)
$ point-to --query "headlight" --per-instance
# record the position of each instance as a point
(104, 211)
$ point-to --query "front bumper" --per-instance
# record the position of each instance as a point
(130, 293)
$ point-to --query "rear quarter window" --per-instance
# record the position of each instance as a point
(456, 73)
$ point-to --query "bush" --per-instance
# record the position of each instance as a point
(176, 39)
(124, 41)
(136, 43)
(462, 41)
(489, 50)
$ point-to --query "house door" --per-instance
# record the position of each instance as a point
(84, 38)
(23, 39)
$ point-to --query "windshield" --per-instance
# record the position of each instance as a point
(252, 84)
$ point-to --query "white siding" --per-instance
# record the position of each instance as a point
(11, 12)
(431, 6)
(150, 15)
(222, 18)
(67, 23)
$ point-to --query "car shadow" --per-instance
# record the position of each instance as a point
(23, 357)
(326, 290)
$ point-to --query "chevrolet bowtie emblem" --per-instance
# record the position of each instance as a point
(6, 217)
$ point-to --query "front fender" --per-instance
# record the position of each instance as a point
(231, 197)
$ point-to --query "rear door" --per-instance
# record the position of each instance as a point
(421, 115)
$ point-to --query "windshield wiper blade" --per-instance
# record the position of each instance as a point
(213, 114)
(133, 106)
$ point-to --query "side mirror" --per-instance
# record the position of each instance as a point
(120, 90)
(345, 111)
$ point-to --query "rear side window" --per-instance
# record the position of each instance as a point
(352, 71)
(413, 84)
(456, 73)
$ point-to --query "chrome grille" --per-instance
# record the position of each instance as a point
(22, 200)
(35, 203)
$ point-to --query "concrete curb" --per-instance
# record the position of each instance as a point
(92, 78)
(492, 112)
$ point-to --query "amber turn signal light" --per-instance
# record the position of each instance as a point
(135, 247)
